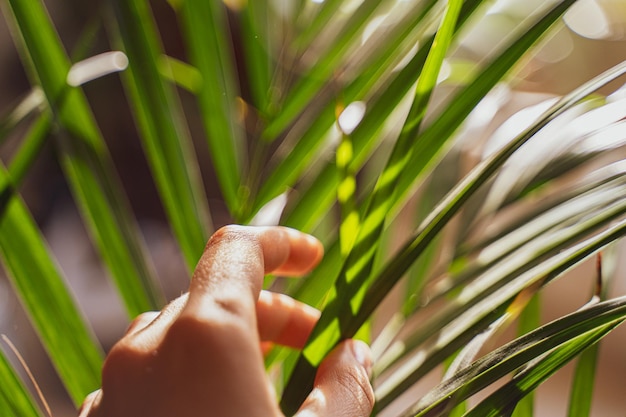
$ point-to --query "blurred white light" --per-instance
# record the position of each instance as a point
(283, 8)
(518, 122)
(234, 5)
(406, 58)
(444, 72)
(617, 95)
(559, 47)
(350, 6)
(608, 138)
(598, 119)
(372, 26)
(318, 1)
(351, 116)
(269, 214)
(95, 67)
(587, 19)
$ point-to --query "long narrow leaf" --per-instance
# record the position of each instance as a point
(86, 162)
(379, 108)
(594, 181)
(319, 74)
(550, 226)
(39, 285)
(207, 32)
(255, 28)
(529, 320)
(456, 197)
(522, 350)
(434, 138)
(445, 125)
(33, 142)
(27, 106)
(473, 319)
(360, 260)
(504, 273)
(15, 400)
(165, 138)
(584, 375)
(524, 383)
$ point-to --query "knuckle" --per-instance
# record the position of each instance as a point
(121, 360)
(229, 233)
(141, 321)
(215, 326)
(356, 383)
(351, 383)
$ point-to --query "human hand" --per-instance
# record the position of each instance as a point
(202, 354)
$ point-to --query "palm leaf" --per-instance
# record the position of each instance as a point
(86, 162)
(38, 283)
(14, 397)
(207, 35)
(165, 138)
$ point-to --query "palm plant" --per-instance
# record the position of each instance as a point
(335, 117)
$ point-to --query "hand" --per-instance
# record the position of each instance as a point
(202, 354)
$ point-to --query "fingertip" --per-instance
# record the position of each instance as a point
(141, 322)
(362, 353)
(89, 403)
(305, 252)
(283, 320)
(342, 386)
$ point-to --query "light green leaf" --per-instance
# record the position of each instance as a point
(360, 260)
(15, 400)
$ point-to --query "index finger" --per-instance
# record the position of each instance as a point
(236, 258)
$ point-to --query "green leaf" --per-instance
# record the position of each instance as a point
(346, 196)
(536, 219)
(525, 382)
(583, 383)
(86, 162)
(180, 73)
(35, 277)
(508, 358)
(207, 35)
(380, 104)
(327, 9)
(165, 137)
(581, 394)
(311, 83)
(434, 138)
(27, 106)
(500, 277)
(464, 317)
(529, 320)
(256, 25)
(28, 152)
(15, 400)
(394, 270)
(360, 260)
(549, 227)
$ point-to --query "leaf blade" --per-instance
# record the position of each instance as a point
(86, 162)
(165, 138)
(33, 274)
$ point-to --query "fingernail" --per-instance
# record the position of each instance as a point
(362, 354)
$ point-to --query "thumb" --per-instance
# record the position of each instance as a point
(342, 387)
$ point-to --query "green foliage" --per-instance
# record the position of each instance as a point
(271, 84)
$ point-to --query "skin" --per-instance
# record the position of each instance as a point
(199, 357)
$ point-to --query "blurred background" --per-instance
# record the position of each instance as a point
(591, 38)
